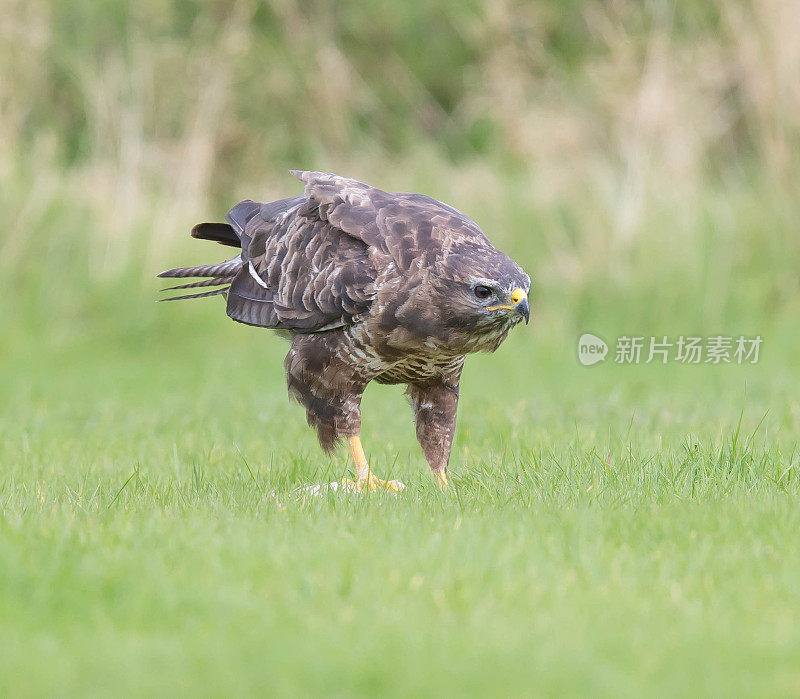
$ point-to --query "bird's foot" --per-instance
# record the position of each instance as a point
(374, 484)
(365, 480)
(441, 479)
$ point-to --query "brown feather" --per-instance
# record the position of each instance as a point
(222, 233)
(223, 269)
(217, 281)
(216, 292)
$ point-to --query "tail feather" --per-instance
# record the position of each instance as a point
(216, 292)
(221, 233)
(223, 269)
(222, 274)
(216, 281)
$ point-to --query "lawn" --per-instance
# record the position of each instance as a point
(613, 530)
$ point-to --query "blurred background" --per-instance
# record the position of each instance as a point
(638, 158)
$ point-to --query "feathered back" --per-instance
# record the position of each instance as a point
(412, 229)
(311, 263)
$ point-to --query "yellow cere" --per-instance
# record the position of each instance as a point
(517, 296)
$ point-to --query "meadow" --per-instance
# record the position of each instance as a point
(614, 530)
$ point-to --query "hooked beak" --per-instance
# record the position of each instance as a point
(521, 305)
(520, 300)
(524, 309)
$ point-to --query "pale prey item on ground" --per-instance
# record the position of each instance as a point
(346, 486)
(367, 285)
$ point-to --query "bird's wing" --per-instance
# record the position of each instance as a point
(310, 263)
(299, 271)
(410, 229)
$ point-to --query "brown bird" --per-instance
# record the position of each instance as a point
(367, 285)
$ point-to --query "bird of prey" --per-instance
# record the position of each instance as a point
(368, 286)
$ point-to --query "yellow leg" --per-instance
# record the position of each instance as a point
(364, 478)
(441, 479)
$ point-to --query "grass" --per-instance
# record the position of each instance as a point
(607, 533)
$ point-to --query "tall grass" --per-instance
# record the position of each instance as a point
(608, 145)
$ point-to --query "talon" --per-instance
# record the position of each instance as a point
(372, 483)
(441, 479)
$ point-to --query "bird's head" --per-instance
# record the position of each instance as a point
(484, 294)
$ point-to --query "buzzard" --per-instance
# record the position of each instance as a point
(368, 286)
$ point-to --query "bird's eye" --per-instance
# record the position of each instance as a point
(482, 292)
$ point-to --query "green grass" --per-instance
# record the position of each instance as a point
(610, 530)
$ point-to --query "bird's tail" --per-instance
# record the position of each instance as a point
(222, 274)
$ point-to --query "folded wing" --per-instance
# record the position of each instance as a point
(299, 271)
